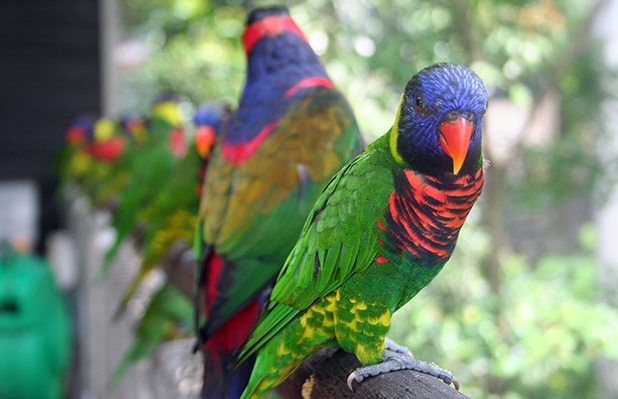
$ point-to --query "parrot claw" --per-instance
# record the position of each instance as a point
(351, 378)
(393, 360)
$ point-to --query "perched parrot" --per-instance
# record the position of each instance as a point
(381, 231)
(170, 215)
(107, 146)
(170, 218)
(291, 132)
(106, 193)
(73, 159)
(150, 167)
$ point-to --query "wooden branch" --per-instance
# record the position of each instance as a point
(324, 376)
(179, 265)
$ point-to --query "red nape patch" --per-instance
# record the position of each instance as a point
(214, 264)
(268, 27)
(309, 82)
(234, 332)
(381, 259)
(239, 153)
(108, 151)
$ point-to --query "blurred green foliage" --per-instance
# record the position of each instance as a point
(550, 330)
(537, 331)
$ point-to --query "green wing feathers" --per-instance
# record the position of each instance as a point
(328, 251)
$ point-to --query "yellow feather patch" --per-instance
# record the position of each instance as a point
(386, 318)
(104, 129)
(362, 352)
(168, 111)
(283, 350)
(395, 135)
(309, 333)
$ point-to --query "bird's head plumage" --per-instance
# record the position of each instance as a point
(166, 122)
(134, 125)
(438, 126)
(269, 22)
(273, 42)
(106, 145)
(81, 130)
(208, 119)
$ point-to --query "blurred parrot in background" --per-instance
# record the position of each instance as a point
(73, 159)
(106, 148)
(92, 147)
(291, 132)
(165, 144)
(108, 189)
(169, 220)
(381, 231)
(171, 215)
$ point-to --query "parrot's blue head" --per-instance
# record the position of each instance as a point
(438, 129)
(81, 130)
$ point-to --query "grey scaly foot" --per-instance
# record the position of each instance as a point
(393, 361)
(392, 345)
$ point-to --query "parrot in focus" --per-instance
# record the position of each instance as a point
(291, 132)
(164, 146)
(383, 228)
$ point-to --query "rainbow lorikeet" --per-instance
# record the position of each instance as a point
(170, 219)
(165, 145)
(106, 148)
(381, 231)
(291, 132)
(170, 215)
(73, 159)
(106, 192)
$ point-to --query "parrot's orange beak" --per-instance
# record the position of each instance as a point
(205, 137)
(455, 137)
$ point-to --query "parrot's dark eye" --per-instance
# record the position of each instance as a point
(418, 102)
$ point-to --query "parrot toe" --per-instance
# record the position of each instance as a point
(394, 360)
(395, 347)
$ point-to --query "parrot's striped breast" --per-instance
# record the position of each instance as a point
(425, 213)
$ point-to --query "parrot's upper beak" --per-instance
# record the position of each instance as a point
(205, 137)
(454, 135)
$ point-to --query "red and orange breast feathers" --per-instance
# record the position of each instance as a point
(425, 214)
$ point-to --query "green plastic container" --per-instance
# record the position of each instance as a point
(35, 330)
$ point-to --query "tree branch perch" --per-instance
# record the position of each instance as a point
(324, 375)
